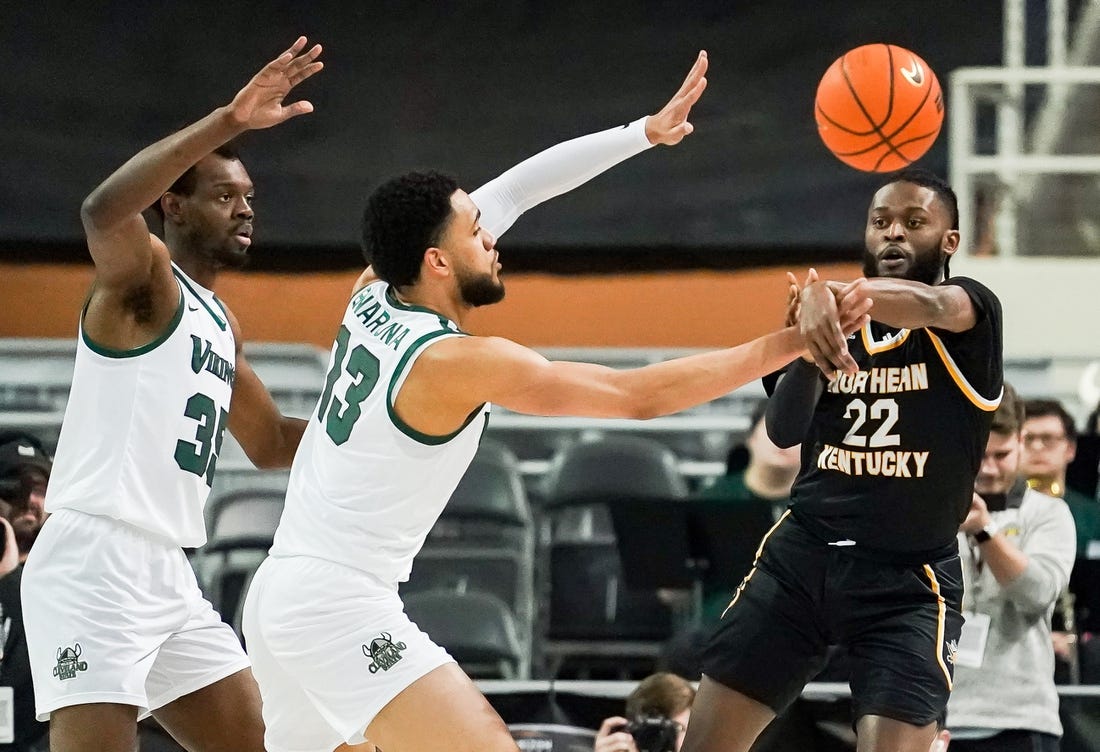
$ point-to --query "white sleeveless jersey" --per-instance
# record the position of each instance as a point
(143, 427)
(366, 488)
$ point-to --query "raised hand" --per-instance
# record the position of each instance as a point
(794, 292)
(10, 560)
(822, 330)
(670, 125)
(260, 103)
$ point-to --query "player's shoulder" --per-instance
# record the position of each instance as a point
(971, 286)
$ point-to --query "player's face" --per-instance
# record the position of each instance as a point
(1000, 464)
(1046, 448)
(908, 234)
(473, 252)
(216, 219)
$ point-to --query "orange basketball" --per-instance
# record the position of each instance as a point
(878, 108)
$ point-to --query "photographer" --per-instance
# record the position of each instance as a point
(24, 471)
(657, 713)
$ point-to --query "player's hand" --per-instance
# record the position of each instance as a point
(794, 302)
(853, 305)
(670, 125)
(10, 560)
(614, 741)
(260, 103)
(822, 331)
(977, 518)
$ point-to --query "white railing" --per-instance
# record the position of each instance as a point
(1012, 168)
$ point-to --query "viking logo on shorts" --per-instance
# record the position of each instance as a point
(952, 651)
(68, 663)
(383, 652)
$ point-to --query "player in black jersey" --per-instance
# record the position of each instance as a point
(866, 555)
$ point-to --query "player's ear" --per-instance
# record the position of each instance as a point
(436, 261)
(950, 242)
(172, 206)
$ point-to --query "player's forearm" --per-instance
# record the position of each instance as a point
(791, 407)
(903, 303)
(671, 386)
(555, 171)
(139, 182)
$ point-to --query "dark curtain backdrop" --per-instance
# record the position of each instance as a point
(469, 88)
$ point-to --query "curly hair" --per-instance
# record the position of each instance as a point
(404, 217)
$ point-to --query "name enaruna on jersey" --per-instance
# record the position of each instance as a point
(890, 463)
(203, 357)
(369, 310)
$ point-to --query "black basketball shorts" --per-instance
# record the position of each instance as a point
(900, 624)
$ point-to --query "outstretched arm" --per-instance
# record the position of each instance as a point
(118, 237)
(563, 167)
(451, 378)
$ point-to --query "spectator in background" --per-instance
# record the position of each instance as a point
(24, 471)
(1049, 446)
(1017, 550)
(758, 474)
(659, 697)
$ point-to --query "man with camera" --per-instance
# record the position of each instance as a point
(657, 713)
(1017, 548)
(24, 471)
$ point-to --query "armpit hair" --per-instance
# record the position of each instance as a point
(139, 301)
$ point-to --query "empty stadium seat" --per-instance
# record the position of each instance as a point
(477, 629)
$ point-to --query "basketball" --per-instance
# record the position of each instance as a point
(879, 108)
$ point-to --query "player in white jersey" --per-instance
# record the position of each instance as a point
(116, 626)
(406, 400)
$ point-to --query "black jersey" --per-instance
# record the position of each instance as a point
(892, 451)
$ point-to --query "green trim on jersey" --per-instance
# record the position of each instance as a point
(202, 302)
(109, 352)
(393, 301)
(402, 426)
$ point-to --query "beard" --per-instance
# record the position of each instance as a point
(223, 254)
(927, 266)
(480, 290)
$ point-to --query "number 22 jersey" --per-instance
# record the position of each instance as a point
(891, 454)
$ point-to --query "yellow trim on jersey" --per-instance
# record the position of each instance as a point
(874, 347)
(941, 618)
(755, 560)
(989, 405)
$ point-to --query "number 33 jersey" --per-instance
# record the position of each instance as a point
(892, 451)
(366, 487)
(143, 427)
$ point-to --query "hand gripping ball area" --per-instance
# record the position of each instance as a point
(879, 108)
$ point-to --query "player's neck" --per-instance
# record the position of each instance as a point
(434, 299)
(198, 267)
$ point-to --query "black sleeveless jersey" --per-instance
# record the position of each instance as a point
(892, 451)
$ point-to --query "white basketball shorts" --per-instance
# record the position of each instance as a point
(330, 647)
(114, 614)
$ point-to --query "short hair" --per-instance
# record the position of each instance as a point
(926, 179)
(1042, 408)
(660, 694)
(185, 183)
(1008, 419)
(403, 218)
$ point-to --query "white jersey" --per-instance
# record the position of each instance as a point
(365, 487)
(143, 427)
